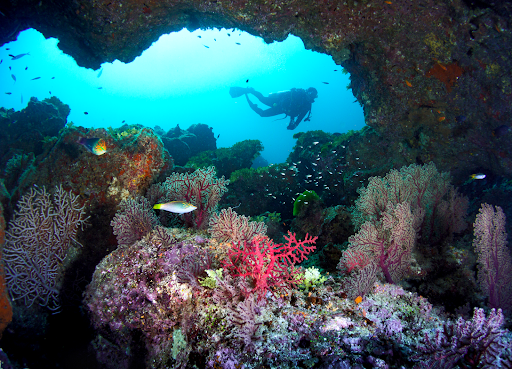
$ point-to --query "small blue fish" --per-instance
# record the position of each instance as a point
(14, 57)
(8, 93)
(13, 77)
(97, 146)
(33, 79)
(99, 73)
(178, 207)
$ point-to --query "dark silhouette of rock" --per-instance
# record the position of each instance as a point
(183, 144)
(24, 131)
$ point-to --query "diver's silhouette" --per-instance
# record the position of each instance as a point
(295, 103)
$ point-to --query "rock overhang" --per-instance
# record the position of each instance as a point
(416, 66)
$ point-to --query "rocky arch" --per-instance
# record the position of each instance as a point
(433, 76)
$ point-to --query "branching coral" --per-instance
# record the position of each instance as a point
(37, 241)
(387, 243)
(201, 188)
(269, 265)
(495, 264)
(426, 190)
(477, 343)
(227, 225)
(133, 221)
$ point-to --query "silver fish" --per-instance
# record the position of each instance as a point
(14, 57)
(99, 73)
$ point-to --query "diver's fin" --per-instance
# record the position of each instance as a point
(237, 91)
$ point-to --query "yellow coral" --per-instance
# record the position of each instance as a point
(492, 70)
(437, 46)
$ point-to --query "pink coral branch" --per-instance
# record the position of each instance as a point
(269, 265)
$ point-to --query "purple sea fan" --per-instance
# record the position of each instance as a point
(200, 188)
(228, 226)
(494, 261)
(37, 241)
(133, 221)
(476, 343)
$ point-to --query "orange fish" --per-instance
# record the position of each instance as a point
(409, 84)
(358, 299)
(388, 2)
(97, 146)
(440, 119)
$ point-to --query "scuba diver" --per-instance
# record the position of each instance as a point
(295, 103)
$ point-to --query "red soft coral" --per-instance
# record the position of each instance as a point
(269, 265)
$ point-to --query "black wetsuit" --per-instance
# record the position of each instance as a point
(295, 103)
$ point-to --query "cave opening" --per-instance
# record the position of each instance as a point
(184, 78)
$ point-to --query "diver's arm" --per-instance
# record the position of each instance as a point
(299, 118)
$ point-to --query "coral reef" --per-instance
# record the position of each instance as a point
(436, 94)
(137, 294)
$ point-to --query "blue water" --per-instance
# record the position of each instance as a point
(180, 81)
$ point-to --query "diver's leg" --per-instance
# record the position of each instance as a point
(267, 100)
(264, 113)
